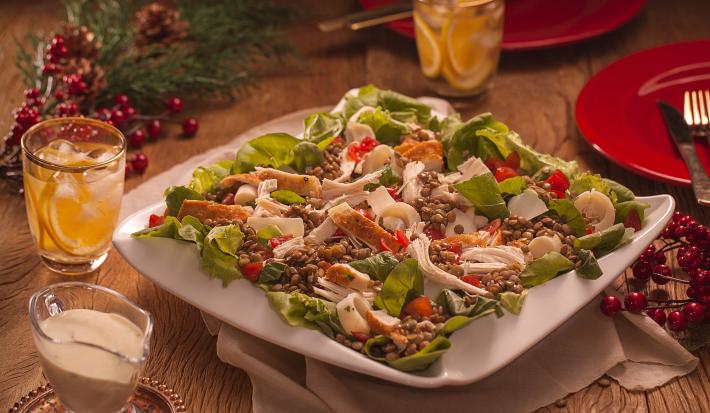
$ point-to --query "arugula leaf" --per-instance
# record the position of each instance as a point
(417, 361)
(306, 154)
(378, 266)
(564, 208)
(623, 209)
(174, 196)
(512, 186)
(590, 267)
(271, 272)
(287, 197)
(321, 126)
(402, 284)
(512, 302)
(544, 269)
(483, 192)
(601, 242)
(455, 305)
(532, 161)
(387, 130)
(300, 310)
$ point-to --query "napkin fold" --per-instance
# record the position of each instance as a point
(630, 348)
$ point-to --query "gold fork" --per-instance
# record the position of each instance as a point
(696, 111)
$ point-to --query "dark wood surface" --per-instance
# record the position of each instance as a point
(535, 95)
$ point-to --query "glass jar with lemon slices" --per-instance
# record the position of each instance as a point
(73, 172)
(459, 44)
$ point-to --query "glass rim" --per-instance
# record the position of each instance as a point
(147, 331)
(65, 168)
(461, 4)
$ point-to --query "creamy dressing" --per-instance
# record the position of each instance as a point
(90, 380)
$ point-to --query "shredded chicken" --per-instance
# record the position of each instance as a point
(322, 232)
(411, 186)
(347, 166)
(501, 254)
(283, 249)
(335, 292)
(332, 189)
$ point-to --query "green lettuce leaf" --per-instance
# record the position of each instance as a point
(623, 194)
(455, 305)
(417, 361)
(227, 238)
(512, 302)
(218, 264)
(485, 196)
(287, 197)
(402, 284)
(544, 269)
(321, 126)
(481, 135)
(271, 272)
(205, 178)
(564, 208)
(366, 96)
(590, 267)
(271, 150)
(388, 100)
(306, 154)
(513, 186)
(300, 310)
(601, 242)
(532, 161)
(623, 209)
(268, 232)
(174, 196)
(387, 129)
(587, 181)
(190, 229)
(378, 266)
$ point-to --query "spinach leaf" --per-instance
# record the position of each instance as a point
(300, 310)
(321, 126)
(544, 269)
(564, 208)
(464, 141)
(271, 150)
(417, 361)
(396, 102)
(623, 194)
(590, 268)
(378, 266)
(601, 242)
(174, 196)
(306, 154)
(623, 209)
(454, 304)
(366, 96)
(402, 284)
(287, 197)
(512, 302)
(513, 186)
(387, 130)
(388, 178)
(271, 272)
(455, 323)
(483, 192)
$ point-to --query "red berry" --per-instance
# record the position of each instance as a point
(57, 39)
(109, 122)
(75, 84)
(694, 312)
(154, 128)
(129, 111)
(658, 315)
(173, 104)
(610, 305)
(32, 93)
(118, 117)
(190, 126)
(103, 113)
(122, 100)
(137, 138)
(659, 257)
(140, 162)
(635, 302)
(129, 170)
(677, 321)
(642, 270)
(660, 272)
(691, 292)
(49, 68)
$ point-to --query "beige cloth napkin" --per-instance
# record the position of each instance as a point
(632, 349)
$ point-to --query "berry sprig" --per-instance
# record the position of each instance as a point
(691, 242)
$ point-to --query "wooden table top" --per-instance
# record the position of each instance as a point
(534, 94)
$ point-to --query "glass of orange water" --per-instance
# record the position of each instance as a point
(73, 172)
(459, 44)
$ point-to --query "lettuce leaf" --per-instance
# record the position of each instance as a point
(623, 194)
(190, 229)
(306, 154)
(623, 209)
(417, 361)
(388, 100)
(587, 181)
(268, 232)
(300, 310)
(484, 194)
(388, 178)
(227, 238)
(174, 196)
(205, 178)
(601, 242)
(321, 126)
(366, 96)
(590, 268)
(481, 135)
(513, 186)
(511, 301)
(532, 161)
(279, 151)
(402, 284)
(378, 266)
(387, 130)
(219, 264)
(271, 272)
(455, 305)
(287, 197)
(544, 269)
(564, 208)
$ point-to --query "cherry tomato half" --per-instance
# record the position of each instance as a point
(505, 172)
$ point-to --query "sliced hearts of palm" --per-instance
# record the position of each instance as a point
(430, 56)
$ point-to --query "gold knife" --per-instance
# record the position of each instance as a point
(368, 18)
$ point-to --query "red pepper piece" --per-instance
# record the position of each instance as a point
(473, 279)
(252, 270)
(558, 181)
(276, 241)
(402, 238)
(155, 220)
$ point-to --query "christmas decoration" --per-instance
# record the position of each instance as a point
(131, 64)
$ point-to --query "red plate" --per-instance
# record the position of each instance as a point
(616, 111)
(534, 24)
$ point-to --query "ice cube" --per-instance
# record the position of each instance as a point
(62, 152)
(100, 155)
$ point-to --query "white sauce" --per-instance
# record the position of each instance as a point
(89, 380)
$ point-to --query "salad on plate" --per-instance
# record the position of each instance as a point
(388, 225)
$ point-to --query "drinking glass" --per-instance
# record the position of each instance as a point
(92, 343)
(459, 44)
(73, 172)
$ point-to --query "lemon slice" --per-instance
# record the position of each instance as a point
(465, 48)
(430, 56)
(469, 81)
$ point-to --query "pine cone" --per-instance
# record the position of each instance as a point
(80, 42)
(159, 25)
